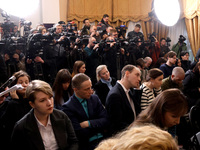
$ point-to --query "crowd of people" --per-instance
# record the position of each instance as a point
(95, 89)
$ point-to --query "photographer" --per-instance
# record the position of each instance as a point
(92, 58)
(104, 22)
(86, 28)
(180, 46)
(136, 32)
(60, 44)
(164, 49)
(154, 48)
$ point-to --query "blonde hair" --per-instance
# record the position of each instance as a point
(98, 70)
(37, 86)
(140, 138)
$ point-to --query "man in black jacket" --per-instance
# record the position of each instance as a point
(136, 33)
(122, 105)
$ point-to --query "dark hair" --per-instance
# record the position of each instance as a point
(85, 20)
(138, 25)
(154, 73)
(170, 100)
(161, 60)
(162, 39)
(77, 66)
(196, 69)
(171, 54)
(63, 76)
(127, 68)
(140, 62)
(20, 74)
(40, 29)
(78, 79)
(183, 53)
(105, 15)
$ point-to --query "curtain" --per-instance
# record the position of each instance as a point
(120, 12)
(174, 33)
(191, 12)
(148, 27)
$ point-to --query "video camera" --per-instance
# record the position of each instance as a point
(181, 39)
(36, 44)
(121, 30)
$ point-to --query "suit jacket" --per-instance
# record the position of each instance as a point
(101, 90)
(97, 117)
(26, 135)
(119, 110)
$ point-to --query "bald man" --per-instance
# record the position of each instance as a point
(175, 80)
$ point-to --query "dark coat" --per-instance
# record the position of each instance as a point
(191, 85)
(97, 117)
(26, 135)
(101, 90)
(119, 110)
(15, 110)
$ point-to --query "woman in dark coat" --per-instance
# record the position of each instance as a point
(104, 84)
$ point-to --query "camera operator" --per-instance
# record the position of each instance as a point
(180, 46)
(94, 33)
(61, 42)
(92, 58)
(164, 49)
(86, 28)
(104, 22)
(154, 48)
(136, 32)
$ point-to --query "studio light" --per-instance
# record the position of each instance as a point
(19, 8)
(167, 11)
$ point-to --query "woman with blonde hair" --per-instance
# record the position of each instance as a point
(79, 67)
(140, 138)
(104, 83)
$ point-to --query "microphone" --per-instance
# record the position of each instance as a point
(13, 88)
(7, 83)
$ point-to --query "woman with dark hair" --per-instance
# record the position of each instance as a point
(165, 110)
(62, 88)
(42, 30)
(79, 67)
(178, 62)
(191, 85)
(152, 87)
(18, 106)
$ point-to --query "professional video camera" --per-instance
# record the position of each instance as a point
(121, 30)
(7, 25)
(152, 39)
(181, 39)
(70, 27)
(168, 40)
(36, 43)
(83, 40)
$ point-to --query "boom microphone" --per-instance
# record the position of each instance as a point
(7, 83)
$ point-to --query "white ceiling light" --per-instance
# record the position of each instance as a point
(19, 8)
(167, 11)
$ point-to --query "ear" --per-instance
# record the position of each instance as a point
(127, 73)
(172, 76)
(75, 89)
(32, 104)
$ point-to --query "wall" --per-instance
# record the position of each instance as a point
(48, 11)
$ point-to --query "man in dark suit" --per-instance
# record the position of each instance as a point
(43, 127)
(122, 103)
(88, 116)
(136, 33)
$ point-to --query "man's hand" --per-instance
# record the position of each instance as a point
(29, 61)
(38, 59)
(96, 46)
(84, 124)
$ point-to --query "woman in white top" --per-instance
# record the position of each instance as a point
(151, 88)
